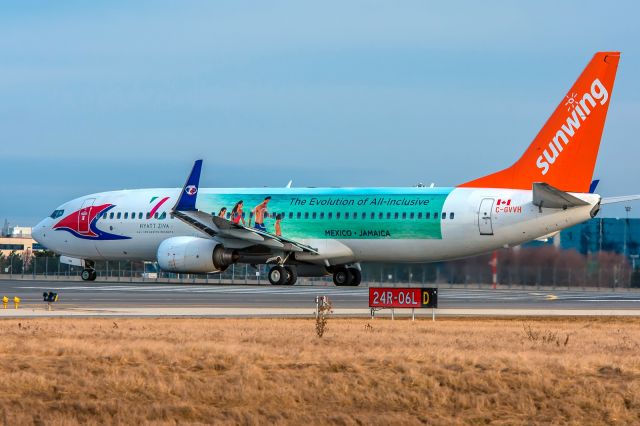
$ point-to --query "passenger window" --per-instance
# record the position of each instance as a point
(355, 215)
(395, 215)
(111, 215)
(126, 215)
(306, 215)
(313, 216)
(404, 215)
(373, 215)
(148, 215)
(451, 215)
(156, 215)
(419, 215)
(321, 215)
(388, 215)
(338, 215)
(346, 215)
(435, 215)
(298, 215)
(329, 215)
(444, 215)
(380, 215)
(140, 215)
(427, 215)
(133, 215)
(290, 215)
(411, 215)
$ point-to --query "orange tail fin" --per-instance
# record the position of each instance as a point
(564, 152)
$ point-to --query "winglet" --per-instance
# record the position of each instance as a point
(188, 196)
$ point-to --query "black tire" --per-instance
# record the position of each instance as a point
(342, 277)
(94, 275)
(356, 277)
(86, 275)
(292, 275)
(278, 275)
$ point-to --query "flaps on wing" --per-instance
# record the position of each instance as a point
(545, 195)
(219, 226)
(198, 220)
(214, 226)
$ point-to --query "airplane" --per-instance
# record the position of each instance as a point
(332, 231)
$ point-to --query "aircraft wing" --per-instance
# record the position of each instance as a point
(185, 210)
(620, 199)
(545, 195)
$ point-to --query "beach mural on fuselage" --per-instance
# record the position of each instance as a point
(335, 213)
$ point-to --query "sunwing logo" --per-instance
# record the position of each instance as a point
(579, 110)
(191, 190)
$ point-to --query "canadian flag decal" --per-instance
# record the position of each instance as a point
(502, 202)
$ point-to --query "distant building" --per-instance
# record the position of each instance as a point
(621, 236)
(20, 245)
(17, 239)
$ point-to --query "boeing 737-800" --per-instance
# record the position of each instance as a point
(321, 231)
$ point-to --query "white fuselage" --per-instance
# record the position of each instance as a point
(369, 233)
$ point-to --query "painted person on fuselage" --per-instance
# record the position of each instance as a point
(259, 211)
(236, 213)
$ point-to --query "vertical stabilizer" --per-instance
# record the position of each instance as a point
(564, 152)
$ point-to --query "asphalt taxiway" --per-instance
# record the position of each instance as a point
(126, 298)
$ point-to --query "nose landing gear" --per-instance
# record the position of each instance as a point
(88, 274)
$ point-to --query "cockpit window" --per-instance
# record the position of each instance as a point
(56, 214)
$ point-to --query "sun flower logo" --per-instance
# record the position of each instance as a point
(572, 101)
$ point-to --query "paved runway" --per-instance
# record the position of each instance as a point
(118, 295)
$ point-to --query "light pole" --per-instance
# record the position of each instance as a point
(626, 225)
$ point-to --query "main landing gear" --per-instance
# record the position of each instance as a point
(88, 274)
(283, 275)
(343, 276)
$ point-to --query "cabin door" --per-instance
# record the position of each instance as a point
(484, 216)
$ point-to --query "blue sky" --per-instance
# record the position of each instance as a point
(108, 95)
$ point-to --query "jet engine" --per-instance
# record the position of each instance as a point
(194, 255)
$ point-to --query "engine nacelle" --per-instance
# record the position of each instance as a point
(194, 255)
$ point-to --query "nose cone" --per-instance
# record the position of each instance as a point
(39, 232)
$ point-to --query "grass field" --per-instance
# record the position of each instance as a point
(257, 371)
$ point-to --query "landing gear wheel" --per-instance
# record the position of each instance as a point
(94, 275)
(86, 274)
(356, 277)
(292, 275)
(342, 276)
(278, 275)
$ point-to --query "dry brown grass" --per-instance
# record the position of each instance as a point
(252, 371)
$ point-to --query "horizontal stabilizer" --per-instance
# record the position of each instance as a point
(620, 199)
(545, 195)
